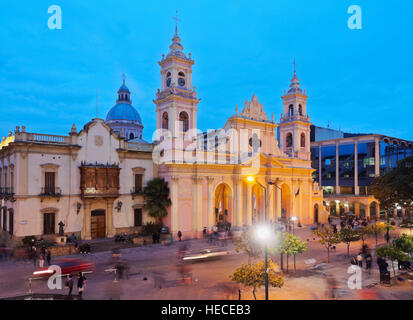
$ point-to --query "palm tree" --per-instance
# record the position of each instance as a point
(157, 199)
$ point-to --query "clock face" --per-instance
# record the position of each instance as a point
(181, 82)
(168, 82)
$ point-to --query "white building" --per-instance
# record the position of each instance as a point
(90, 180)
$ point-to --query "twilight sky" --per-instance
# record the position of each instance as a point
(358, 80)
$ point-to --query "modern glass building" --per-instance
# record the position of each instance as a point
(345, 165)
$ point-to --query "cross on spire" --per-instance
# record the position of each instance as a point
(295, 66)
(124, 77)
(176, 19)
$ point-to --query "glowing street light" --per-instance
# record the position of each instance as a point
(263, 233)
(250, 179)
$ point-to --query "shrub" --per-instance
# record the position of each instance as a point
(150, 228)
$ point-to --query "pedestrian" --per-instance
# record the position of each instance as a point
(48, 257)
(204, 233)
(81, 283)
(33, 255)
(69, 284)
(369, 260)
(153, 238)
(41, 260)
(360, 260)
(180, 235)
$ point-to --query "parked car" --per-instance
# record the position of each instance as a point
(68, 266)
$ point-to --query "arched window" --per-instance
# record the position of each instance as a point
(165, 121)
(290, 110)
(289, 140)
(302, 140)
(300, 109)
(183, 117)
(181, 74)
(131, 136)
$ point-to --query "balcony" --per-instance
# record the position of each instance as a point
(50, 192)
(296, 117)
(99, 180)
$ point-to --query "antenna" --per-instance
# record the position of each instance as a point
(96, 102)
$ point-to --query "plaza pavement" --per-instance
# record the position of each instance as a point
(153, 276)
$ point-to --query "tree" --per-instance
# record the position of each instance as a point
(327, 238)
(393, 253)
(395, 187)
(363, 232)
(348, 236)
(377, 229)
(247, 243)
(157, 199)
(292, 246)
(254, 275)
(405, 244)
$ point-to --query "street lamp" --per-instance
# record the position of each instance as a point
(264, 235)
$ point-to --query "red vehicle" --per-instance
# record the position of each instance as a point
(68, 266)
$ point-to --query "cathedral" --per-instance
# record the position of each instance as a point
(92, 179)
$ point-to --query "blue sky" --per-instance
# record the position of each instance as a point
(359, 80)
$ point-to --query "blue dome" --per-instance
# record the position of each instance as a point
(124, 111)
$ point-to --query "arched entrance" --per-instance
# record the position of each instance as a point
(223, 207)
(98, 224)
(286, 201)
(316, 213)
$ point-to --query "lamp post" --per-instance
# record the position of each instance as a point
(264, 234)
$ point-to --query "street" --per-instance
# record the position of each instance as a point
(153, 275)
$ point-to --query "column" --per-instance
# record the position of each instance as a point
(337, 170)
(87, 208)
(239, 201)
(249, 205)
(367, 206)
(377, 158)
(211, 213)
(271, 203)
(356, 169)
(357, 209)
(175, 205)
(300, 212)
(197, 204)
(293, 204)
(278, 203)
(110, 232)
(377, 211)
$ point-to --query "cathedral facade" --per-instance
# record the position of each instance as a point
(92, 180)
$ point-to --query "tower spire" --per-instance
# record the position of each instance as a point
(176, 19)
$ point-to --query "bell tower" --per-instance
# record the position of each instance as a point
(176, 101)
(295, 122)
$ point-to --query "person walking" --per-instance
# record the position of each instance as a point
(69, 284)
(48, 257)
(360, 260)
(369, 260)
(41, 260)
(180, 235)
(81, 283)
